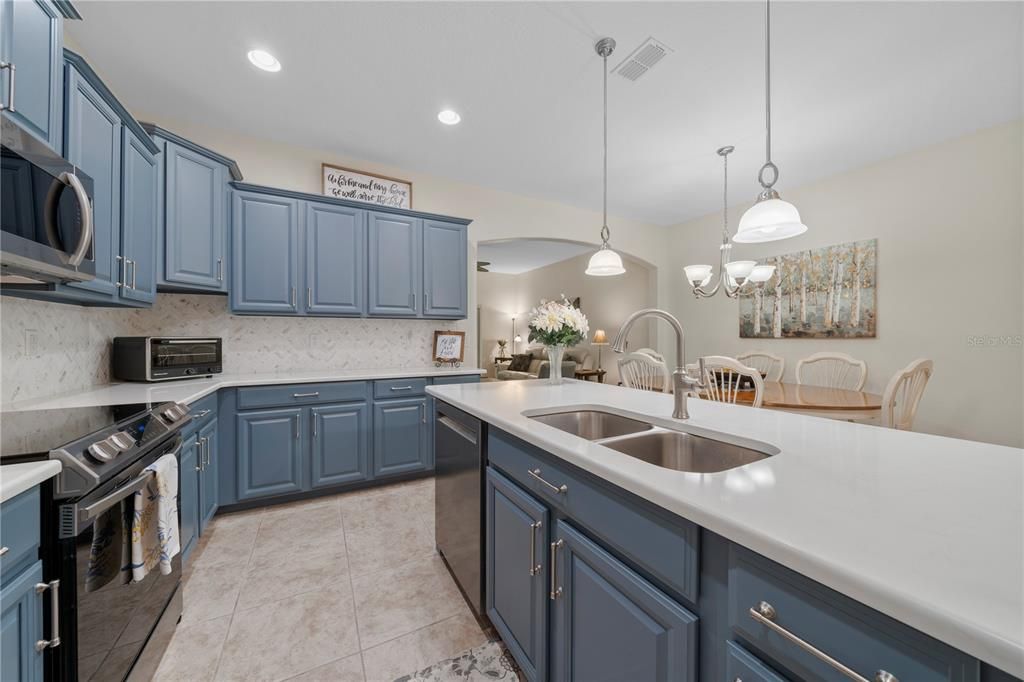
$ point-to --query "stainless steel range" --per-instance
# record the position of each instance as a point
(106, 628)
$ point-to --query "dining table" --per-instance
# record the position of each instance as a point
(820, 401)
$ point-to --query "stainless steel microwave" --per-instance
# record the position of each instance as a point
(46, 213)
(161, 358)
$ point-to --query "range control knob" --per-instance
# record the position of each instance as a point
(122, 440)
(190, 370)
(102, 451)
(173, 413)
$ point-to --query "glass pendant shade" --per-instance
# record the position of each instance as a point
(769, 220)
(605, 263)
(698, 275)
(761, 273)
(739, 270)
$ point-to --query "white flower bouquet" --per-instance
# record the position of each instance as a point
(558, 323)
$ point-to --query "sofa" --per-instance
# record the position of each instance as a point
(540, 368)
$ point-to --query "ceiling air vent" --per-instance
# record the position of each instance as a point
(642, 59)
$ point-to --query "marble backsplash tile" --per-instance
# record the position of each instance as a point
(52, 348)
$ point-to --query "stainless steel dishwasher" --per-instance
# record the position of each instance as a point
(459, 497)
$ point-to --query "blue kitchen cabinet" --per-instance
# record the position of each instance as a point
(516, 572)
(21, 626)
(270, 452)
(265, 254)
(609, 622)
(31, 86)
(335, 261)
(138, 218)
(741, 665)
(395, 284)
(188, 493)
(445, 273)
(339, 443)
(208, 446)
(400, 437)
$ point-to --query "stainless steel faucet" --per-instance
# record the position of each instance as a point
(682, 383)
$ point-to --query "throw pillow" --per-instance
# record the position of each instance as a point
(520, 362)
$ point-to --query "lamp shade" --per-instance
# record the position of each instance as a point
(600, 339)
(769, 220)
(605, 263)
(761, 273)
(740, 269)
(697, 275)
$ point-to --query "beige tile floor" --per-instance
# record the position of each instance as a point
(347, 588)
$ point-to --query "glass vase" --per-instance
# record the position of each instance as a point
(555, 354)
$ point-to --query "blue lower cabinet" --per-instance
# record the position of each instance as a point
(610, 623)
(340, 443)
(270, 446)
(207, 473)
(516, 573)
(401, 437)
(740, 664)
(21, 626)
(188, 493)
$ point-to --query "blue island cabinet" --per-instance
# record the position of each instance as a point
(21, 589)
(188, 493)
(269, 452)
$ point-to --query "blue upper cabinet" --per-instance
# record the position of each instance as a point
(394, 265)
(445, 271)
(92, 142)
(138, 218)
(265, 254)
(31, 86)
(335, 260)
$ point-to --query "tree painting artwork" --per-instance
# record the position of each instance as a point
(825, 293)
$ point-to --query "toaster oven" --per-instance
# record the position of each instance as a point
(162, 358)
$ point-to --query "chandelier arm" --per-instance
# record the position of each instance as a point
(605, 232)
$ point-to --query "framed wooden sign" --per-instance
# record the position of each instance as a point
(346, 183)
(449, 347)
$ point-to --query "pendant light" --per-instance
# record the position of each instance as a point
(605, 262)
(770, 218)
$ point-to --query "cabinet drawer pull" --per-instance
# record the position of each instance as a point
(135, 268)
(296, 427)
(764, 613)
(54, 587)
(534, 566)
(401, 388)
(309, 298)
(293, 297)
(314, 394)
(556, 590)
(555, 488)
(10, 86)
(313, 416)
(220, 269)
(122, 269)
(4, 550)
(201, 415)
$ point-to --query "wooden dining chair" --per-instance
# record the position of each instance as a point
(832, 370)
(640, 370)
(771, 365)
(723, 376)
(903, 394)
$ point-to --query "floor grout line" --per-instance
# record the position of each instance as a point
(352, 587)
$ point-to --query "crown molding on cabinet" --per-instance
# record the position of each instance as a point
(153, 129)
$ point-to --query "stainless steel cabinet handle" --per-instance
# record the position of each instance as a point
(423, 414)
(135, 269)
(54, 587)
(10, 86)
(199, 444)
(220, 269)
(764, 613)
(556, 590)
(293, 297)
(534, 566)
(201, 414)
(206, 452)
(426, 301)
(457, 428)
(309, 298)
(121, 271)
(306, 395)
(401, 388)
(4, 550)
(313, 416)
(555, 488)
(296, 427)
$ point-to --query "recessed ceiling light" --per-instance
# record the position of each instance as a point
(262, 59)
(449, 117)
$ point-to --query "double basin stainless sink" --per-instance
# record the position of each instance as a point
(678, 450)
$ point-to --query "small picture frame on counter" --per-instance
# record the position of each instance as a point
(449, 348)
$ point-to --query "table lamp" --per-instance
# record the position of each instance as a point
(600, 339)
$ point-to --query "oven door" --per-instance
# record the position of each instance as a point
(108, 624)
(46, 214)
(174, 358)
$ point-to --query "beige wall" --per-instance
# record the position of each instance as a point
(606, 301)
(948, 219)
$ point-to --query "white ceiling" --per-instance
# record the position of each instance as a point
(854, 82)
(516, 256)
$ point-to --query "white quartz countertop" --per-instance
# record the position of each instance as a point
(926, 529)
(17, 478)
(190, 390)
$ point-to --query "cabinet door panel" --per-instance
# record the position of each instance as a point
(517, 573)
(445, 278)
(194, 216)
(340, 444)
(188, 503)
(394, 265)
(269, 452)
(93, 143)
(611, 624)
(208, 475)
(138, 218)
(32, 34)
(21, 626)
(265, 262)
(335, 260)
(400, 436)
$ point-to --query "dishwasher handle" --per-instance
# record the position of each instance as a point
(458, 428)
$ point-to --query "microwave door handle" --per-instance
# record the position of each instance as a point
(85, 241)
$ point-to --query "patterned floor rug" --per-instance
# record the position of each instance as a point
(484, 663)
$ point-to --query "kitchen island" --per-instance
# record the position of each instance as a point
(847, 522)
